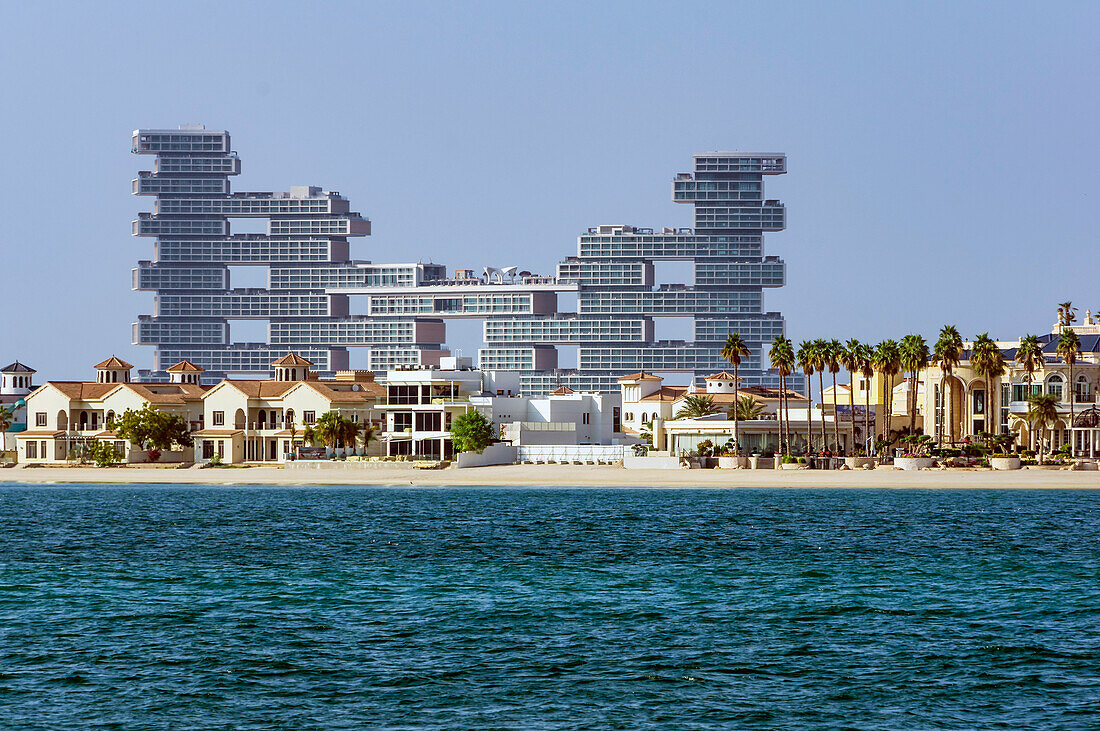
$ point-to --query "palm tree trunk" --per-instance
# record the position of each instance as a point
(1072, 398)
(1030, 426)
(809, 421)
(821, 391)
(836, 420)
(867, 420)
(941, 411)
(951, 424)
(913, 402)
(736, 396)
(852, 409)
(779, 415)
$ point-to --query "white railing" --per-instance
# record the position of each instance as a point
(583, 453)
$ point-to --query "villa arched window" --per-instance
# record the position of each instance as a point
(1083, 389)
(1054, 385)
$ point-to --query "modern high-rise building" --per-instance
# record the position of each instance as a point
(311, 278)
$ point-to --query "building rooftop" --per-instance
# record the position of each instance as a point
(17, 367)
(112, 362)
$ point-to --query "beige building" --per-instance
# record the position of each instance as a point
(645, 399)
(62, 414)
(967, 410)
(264, 420)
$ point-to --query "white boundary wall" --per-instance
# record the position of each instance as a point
(494, 454)
(583, 453)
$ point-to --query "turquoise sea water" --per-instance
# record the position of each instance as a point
(464, 608)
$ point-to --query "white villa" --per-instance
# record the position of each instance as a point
(646, 400)
(64, 413)
(264, 420)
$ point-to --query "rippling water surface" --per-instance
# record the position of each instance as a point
(330, 608)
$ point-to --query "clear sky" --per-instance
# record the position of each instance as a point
(942, 155)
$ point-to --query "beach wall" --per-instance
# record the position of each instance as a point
(570, 453)
(494, 454)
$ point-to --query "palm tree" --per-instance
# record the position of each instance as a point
(1069, 347)
(696, 406)
(7, 418)
(833, 352)
(821, 363)
(369, 432)
(913, 354)
(807, 362)
(947, 353)
(330, 429)
(867, 370)
(849, 358)
(783, 361)
(987, 361)
(1029, 356)
(1042, 413)
(733, 351)
(887, 362)
(1066, 314)
(745, 408)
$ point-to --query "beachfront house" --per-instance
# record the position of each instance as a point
(65, 414)
(265, 420)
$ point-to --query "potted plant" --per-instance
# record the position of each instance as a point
(1003, 455)
(730, 458)
(916, 452)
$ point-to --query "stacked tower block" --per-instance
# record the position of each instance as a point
(305, 250)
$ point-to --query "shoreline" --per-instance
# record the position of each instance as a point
(562, 476)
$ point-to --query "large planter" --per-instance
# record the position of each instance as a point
(913, 463)
(1010, 462)
(733, 463)
(793, 466)
(859, 463)
(762, 463)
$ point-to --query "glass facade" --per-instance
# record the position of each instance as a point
(191, 210)
(310, 274)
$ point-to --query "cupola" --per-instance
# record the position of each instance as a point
(185, 372)
(291, 367)
(16, 379)
(113, 370)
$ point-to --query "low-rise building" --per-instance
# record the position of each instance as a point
(565, 417)
(265, 420)
(966, 409)
(16, 382)
(651, 408)
(63, 414)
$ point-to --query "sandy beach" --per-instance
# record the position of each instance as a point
(564, 475)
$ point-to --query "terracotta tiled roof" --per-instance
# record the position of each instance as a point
(38, 434)
(113, 362)
(17, 367)
(84, 390)
(292, 359)
(562, 391)
(185, 366)
(666, 393)
(722, 376)
(216, 432)
(262, 389)
(368, 390)
(338, 391)
(640, 376)
(167, 393)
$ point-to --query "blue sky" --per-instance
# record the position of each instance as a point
(942, 155)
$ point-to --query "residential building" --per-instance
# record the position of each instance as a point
(966, 411)
(311, 278)
(249, 420)
(16, 382)
(63, 414)
(564, 416)
(650, 407)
